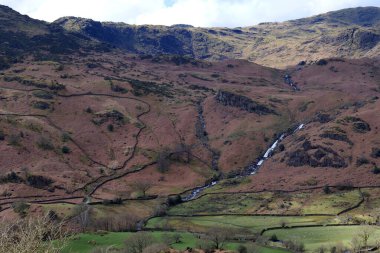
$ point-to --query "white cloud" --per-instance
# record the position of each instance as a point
(229, 13)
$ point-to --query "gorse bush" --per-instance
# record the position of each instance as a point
(45, 144)
(21, 208)
(10, 178)
(376, 170)
(65, 150)
(38, 181)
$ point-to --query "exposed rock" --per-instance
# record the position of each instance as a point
(244, 103)
(113, 115)
(336, 136)
(202, 135)
(323, 118)
(315, 156)
(361, 127)
(365, 39)
(41, 105)
(375, 152)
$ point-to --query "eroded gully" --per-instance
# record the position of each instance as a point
(252, 168)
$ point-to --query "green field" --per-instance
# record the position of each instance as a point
(85, 243)
(308, 202)
(313, 238)
(89, 241)
(246, 224)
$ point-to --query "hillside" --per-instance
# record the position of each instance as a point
(180, 131)
(350, 33)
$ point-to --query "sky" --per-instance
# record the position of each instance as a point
(205, 13)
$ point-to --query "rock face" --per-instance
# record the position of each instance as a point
(336, 137)
(375, 153)
(244, 103)
(347, 32)
(315, 156)
(114, 115)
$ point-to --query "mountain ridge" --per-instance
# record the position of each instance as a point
(259, 43)
(270, 44)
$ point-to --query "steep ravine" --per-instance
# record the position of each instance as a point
(250, 169)
(202, 135)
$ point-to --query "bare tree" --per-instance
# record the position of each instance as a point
(142, 187)
(356, 244)
(155, 248)
(137, 242)
(82, 213)
(116, 223)
(218, 237)
(181, 153)
(39, 234)
(364, 235)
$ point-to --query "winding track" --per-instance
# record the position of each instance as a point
(95, 184)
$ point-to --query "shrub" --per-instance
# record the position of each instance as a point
(174, 200)
(117, 88)
(89, 110)
(375, 152)
(361, 160)
(295, 246)
(110, 128)
(2, 136)
(322, 62)
(11, 178)
(43, 94)
(60, 67)
(41, 105)
(32, 235)
(376, 170)
(14, 140)
(65, 150)
(274, 238)
(56, 86)
(65, 137)
(21, 208)
(345, 186)
(92, 65)
(242, 249)
(115, 201)
(361, 127)
(39, 182)
(156, 248)
(163, 162)
(326, 189)
(45, 144)
(137, 242)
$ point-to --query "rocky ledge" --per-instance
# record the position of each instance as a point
(244, 103)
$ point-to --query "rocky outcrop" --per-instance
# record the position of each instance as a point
(202, 135)
(224, 43)
(315, 156)
(244, 103)
(336, 137)
(322, 118)
(375, 153)
(361, 127)
(113, 115)
(358, 125)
